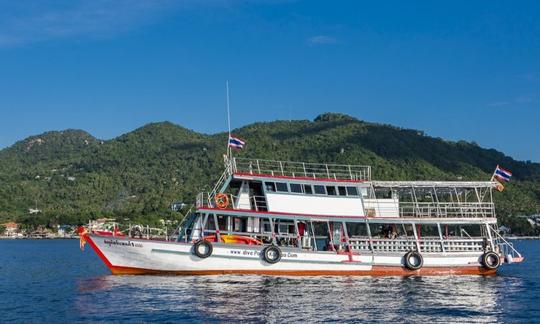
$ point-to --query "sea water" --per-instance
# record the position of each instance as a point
(53, 281)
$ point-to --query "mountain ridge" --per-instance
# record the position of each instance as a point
(72, 176)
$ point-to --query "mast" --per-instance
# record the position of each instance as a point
(229, 151)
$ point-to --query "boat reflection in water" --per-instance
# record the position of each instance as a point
(266, 298)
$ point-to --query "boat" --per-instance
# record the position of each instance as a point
(271, 217)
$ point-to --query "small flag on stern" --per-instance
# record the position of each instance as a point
(499, 186)
(235, 142)
(502, 174)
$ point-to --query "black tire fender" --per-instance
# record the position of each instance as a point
(413, 260)
(490, 260)
(203, 249)
(271, 254)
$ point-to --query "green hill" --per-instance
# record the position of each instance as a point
(72, 176)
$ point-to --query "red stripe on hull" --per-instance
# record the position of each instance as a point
(98, 252)
(376, 271)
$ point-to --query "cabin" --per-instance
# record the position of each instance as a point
(332, 207)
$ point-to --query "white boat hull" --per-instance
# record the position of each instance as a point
(138, 256)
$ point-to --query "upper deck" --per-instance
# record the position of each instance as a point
(301, 170)
(325, 189)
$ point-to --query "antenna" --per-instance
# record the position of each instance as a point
(229, 151)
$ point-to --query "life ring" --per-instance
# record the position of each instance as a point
(413, 260)
(490, 260)
(203, 249)
(271, 254)
(222, 200)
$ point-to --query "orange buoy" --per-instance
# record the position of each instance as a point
(222, 200)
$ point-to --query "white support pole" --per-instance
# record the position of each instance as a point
(416, 238)
(313, 234)
(298, 238)
(441, 237)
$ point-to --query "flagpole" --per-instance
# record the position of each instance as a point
(229, 151)
(494, 172)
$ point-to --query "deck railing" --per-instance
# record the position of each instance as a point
(446, 210)
(302, 169)
(506, 248)
(427, 245)
(431, 210)
(255, 203)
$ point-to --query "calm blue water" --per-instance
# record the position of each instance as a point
(54, 281)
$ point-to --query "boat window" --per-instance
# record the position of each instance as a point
(357, 229)
(319, 190)
(210, 224)
(342, 191)
(266, 228)
(320, 230)
(222, 222)
(461, 231)
(239, 224)
(331, 190)
(295, 187)
(352, 191)
(282, 186)
(270, 186)
(308, 189)
(285, 228)
(391, 231)
(427, 230)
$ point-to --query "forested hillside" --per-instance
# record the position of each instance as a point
(71, 176)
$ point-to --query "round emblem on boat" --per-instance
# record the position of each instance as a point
(413, 260)
(203, 249)
(271, 254)
(491, 260)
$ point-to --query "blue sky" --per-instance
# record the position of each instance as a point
(458, 69)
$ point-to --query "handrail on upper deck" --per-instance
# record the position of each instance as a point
(302, 169)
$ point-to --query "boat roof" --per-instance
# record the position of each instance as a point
(259, 169)
(434, 184)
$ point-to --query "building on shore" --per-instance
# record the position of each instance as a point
(12, 230)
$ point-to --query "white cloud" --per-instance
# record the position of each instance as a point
(498, 104)
(322, 40)
(22, 23)
(526, 98)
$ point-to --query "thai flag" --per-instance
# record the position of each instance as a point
(502, 174)
(236, 143)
